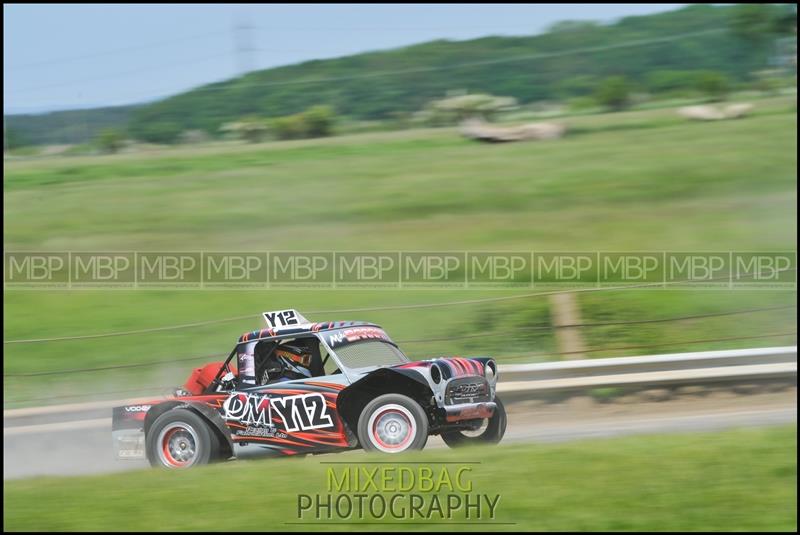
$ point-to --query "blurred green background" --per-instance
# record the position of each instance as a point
(275, 160)
(632, 181)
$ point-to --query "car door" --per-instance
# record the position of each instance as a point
(291, 417)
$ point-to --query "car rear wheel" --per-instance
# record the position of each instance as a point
(486, 431)
(179, 438)
(393, 423)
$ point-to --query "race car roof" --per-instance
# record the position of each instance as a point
(301, 328)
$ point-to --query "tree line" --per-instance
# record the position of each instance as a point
(697, 50)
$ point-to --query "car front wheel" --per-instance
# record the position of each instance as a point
(486, 431)
(392, 423)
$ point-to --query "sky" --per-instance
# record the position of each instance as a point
(88, 55)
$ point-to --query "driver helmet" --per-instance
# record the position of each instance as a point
(295, 359)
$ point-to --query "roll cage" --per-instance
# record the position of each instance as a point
(342, 368)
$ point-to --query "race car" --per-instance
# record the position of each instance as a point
(297, 387)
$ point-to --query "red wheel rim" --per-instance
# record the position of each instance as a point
(392, 428)
(178, 445)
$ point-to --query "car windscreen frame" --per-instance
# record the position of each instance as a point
(354, 374)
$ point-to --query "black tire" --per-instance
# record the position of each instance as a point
(219, 449)
(492, 434)
(193, 443)
(392, 423)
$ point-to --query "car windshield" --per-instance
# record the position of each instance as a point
(368, 353)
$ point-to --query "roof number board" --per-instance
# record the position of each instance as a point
(283, 318)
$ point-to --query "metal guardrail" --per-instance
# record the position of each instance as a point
(522, 379)
(699, 367)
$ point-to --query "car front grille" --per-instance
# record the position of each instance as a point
(467, 390)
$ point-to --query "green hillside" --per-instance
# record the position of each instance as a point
(567, 61)
(361, 87)
(63, 127)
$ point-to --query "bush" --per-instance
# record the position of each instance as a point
(576, 86)
(456, 108)
(318, 121)
(756, 23)
(159, 132)
(289, 127)
(14, 140)
(81, 149)
(713, 84)
(110, 140)
(671, 82)
(771, 81)
(191, 137)
(251, 129)
(614, 93)
(581, 103)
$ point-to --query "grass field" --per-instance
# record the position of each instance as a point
(620, 182)
(602, 188)
(744, 480)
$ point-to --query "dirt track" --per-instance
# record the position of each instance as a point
(70, 446)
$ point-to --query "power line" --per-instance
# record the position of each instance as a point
(271, 29)
(250, 27)
(110, 367)
(244, 47)
(94, 394)
(389, 307)
(221, 86)
(167, 387)
(549, 327)
(115, 51)
(662, 344)
(133, 332)
(426, 340)
(502, 358)
(126, 73)
(678, 318)
(543, 55)
(391, 28)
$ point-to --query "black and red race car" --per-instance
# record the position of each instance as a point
(297, 387)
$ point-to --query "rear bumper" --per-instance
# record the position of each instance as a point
(127, 432)
(129, 444)
(469, 411)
